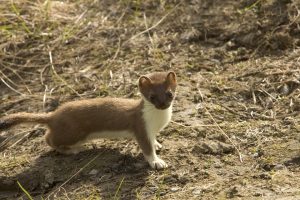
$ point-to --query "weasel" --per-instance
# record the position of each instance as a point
(77, 122)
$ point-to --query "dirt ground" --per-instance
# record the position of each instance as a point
(235, 131)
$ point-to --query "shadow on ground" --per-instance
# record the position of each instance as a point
(52, 172)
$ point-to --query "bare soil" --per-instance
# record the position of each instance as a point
(235, 130)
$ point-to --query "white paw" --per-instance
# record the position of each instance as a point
(157, 145)
(158, 164)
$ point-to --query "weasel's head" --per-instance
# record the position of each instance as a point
(159, 88)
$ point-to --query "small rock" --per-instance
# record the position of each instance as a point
(230, 45)
(204, 148)
(218, 165)
(217, 136)
(189, 74)
(216, 61)
(46, 185)
(93, 172)
(183, 180)
(171, 178)
(211, 147)
(259, 153)
(196, 192)
(255, 155)
(225, 148)
(279, 167)
(174, 189)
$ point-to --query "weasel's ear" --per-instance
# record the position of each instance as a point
(144, 81)
(171, 79)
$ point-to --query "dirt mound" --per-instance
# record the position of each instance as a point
(263, 26)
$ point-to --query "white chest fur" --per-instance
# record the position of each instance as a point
(155, 119)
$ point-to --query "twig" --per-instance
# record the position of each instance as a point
(223, 132)
(118, 189)
(11, 87)
(146, 25)
(80, 17)
(114, 57)
(24, 190)
(118, 50)
(253, 97)
(185, 126)
(200, 93)
(121, 17)
(45, 97)
(137, 35)
(18, 75)
(155, 25)
(269, 94)
(41, 74)
(5, 141)
(59, 77)
(233, 111)
(22, 138)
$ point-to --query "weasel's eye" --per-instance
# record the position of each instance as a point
(169, 94)
(152, 97)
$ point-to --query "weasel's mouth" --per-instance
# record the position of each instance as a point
(163, 106)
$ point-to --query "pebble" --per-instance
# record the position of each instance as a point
(211, 147)
(174, 189)
(93, 172)
(279, 167)
(171, 179)
(230, 45)
(196, 192)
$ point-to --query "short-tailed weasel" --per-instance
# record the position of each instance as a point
(76, 122)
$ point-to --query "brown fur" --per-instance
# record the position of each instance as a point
(156, 85)
(73, 122)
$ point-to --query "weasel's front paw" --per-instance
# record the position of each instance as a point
(158, 164)
(157, 145)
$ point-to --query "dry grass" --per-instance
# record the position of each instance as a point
(238, 69)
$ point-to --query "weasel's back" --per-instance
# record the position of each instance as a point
(98, 114)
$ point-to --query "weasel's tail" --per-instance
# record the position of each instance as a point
(18, 118)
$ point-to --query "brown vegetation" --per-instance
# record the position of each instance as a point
(238, 98)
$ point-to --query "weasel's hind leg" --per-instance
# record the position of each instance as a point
(71, 149)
